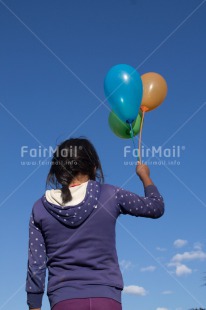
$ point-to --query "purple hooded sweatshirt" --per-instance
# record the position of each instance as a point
(78, 244)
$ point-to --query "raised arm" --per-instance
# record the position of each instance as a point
(152, 205)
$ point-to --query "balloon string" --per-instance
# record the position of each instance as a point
(132, 134)
(140, 138)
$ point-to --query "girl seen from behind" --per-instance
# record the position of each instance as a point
(72, 231)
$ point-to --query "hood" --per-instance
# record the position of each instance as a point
(75, 215)
(78, 193)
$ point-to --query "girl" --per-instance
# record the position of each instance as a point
(72, 231)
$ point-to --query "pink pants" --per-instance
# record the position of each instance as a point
(94, 303)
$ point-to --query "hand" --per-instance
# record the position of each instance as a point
(143, 172)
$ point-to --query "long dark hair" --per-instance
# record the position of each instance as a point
(72, 157)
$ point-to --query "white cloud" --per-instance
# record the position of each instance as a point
(179, 243)
(162, 308)
(149, 268)
(188, 256)
(125, 264)
(178, 259)
(135, 290)
(161, 249)
(167, 292)
(198, 246)
(171, 264)
(182, 270)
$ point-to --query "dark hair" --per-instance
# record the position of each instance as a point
(72, 157)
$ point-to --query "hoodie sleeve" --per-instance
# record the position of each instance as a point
(152, 205)
(36, 266)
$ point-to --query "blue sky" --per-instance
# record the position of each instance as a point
(54, 56)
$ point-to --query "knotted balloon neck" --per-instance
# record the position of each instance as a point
(144, 108)
(132, 134)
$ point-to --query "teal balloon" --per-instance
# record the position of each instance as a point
(123, 89)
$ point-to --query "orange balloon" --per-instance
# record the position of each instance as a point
(154, 91)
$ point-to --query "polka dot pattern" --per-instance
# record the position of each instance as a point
(152, 205)
(73, 217)
(36, 259)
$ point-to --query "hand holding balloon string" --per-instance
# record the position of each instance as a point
(143, 173)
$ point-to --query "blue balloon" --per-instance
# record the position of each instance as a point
(123, 89)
